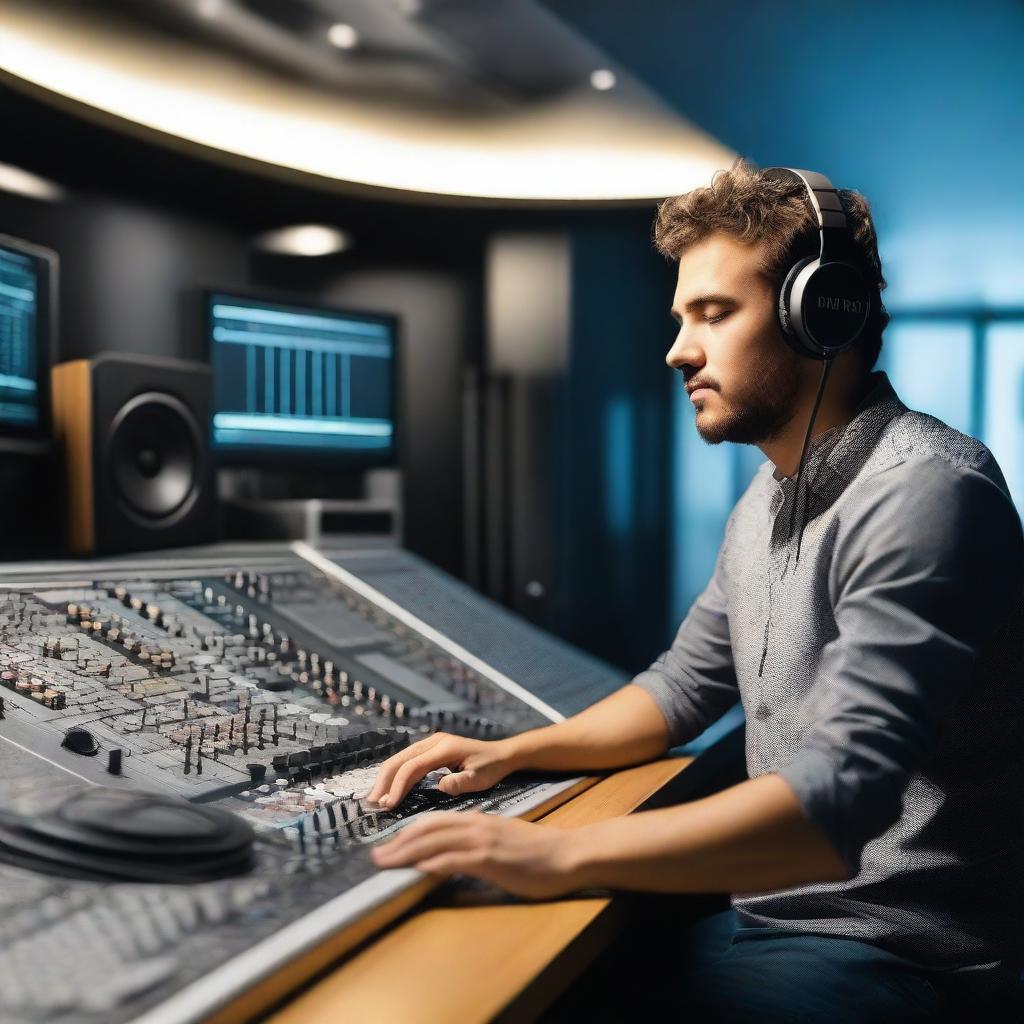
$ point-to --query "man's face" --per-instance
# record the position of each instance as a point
(730, 344)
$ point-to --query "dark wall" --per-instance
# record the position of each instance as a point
(585, 454)
(440, 327)
(130, 272)
(142, 231)
(131, 281)
(615, 502)
(439, 334)
(578, 486)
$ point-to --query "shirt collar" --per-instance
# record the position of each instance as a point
(835, 454)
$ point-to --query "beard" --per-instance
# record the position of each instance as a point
(757, 407)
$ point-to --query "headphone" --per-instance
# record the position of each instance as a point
(825, 300)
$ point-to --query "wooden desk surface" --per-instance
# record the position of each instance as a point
(473, 963)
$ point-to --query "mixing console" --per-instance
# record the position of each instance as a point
(182, 758)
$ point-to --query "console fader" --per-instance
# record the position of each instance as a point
(182, 758)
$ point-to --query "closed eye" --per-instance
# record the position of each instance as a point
(718, 317)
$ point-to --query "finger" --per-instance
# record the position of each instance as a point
(422, 826)
(412, 771)
(437, 842)
(456, 862)
(386, 772)
(466, 781)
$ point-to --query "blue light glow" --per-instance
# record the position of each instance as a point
(323, 381)
(931, 368)
(302, 342)
(307, 321)
(619, 476)
(20, 294)
(270, 438)
(306, 425)
(14, 413)
(1004, 403)
(19, 339)
(17, 383)
(703, 492)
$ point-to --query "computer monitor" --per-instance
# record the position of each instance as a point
(293, 381)
(28, 289)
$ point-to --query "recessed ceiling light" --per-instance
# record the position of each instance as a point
(603, 79)
(209, 8)
(25, 183)
(343, 36)
(304, 240)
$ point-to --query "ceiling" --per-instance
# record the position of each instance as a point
(466, 54)
(478, 100)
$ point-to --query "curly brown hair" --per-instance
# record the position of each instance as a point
(778, 216)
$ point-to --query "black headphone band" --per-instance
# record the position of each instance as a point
(824, 198)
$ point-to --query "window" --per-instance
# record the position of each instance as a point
(931, 366)
(1003, 420)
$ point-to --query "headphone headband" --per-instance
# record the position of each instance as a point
(824, 199)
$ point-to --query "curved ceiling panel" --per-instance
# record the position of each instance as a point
(572, 143)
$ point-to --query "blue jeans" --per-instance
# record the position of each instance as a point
(772, 976)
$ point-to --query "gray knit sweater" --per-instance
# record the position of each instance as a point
(882, 677)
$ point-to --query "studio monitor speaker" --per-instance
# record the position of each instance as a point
(134, 431)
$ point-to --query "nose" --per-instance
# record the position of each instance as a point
(684, 351)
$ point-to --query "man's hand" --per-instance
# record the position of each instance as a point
(475, 765)
(527, 859)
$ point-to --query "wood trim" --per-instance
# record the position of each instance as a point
(272, 990)
(71, 393)
(506, 959)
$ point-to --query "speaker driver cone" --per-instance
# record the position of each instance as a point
(154, 447)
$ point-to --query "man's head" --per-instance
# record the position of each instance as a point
(734, 242)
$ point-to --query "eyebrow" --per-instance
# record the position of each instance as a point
(701, 300)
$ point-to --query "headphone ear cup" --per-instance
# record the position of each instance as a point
(835, 303)
(786, 311)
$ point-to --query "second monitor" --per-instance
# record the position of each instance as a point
(294, 380)
(28, 290)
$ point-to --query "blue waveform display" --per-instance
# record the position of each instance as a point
(19, 326)
(290, 378)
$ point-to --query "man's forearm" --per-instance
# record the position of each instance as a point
(751, 837)
(625, 728)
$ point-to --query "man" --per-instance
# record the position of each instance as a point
(875, 853)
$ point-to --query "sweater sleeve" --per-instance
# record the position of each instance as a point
(694, 681)
(922, 575)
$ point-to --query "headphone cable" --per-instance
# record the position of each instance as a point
(826, 367)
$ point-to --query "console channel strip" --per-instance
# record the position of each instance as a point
(181, 761)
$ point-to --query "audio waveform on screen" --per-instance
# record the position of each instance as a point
(18, 325)
(285, 378)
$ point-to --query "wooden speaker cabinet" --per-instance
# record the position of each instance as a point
(135, 433)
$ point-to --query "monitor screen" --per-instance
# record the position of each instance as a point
(293, 380)
(25, 282)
